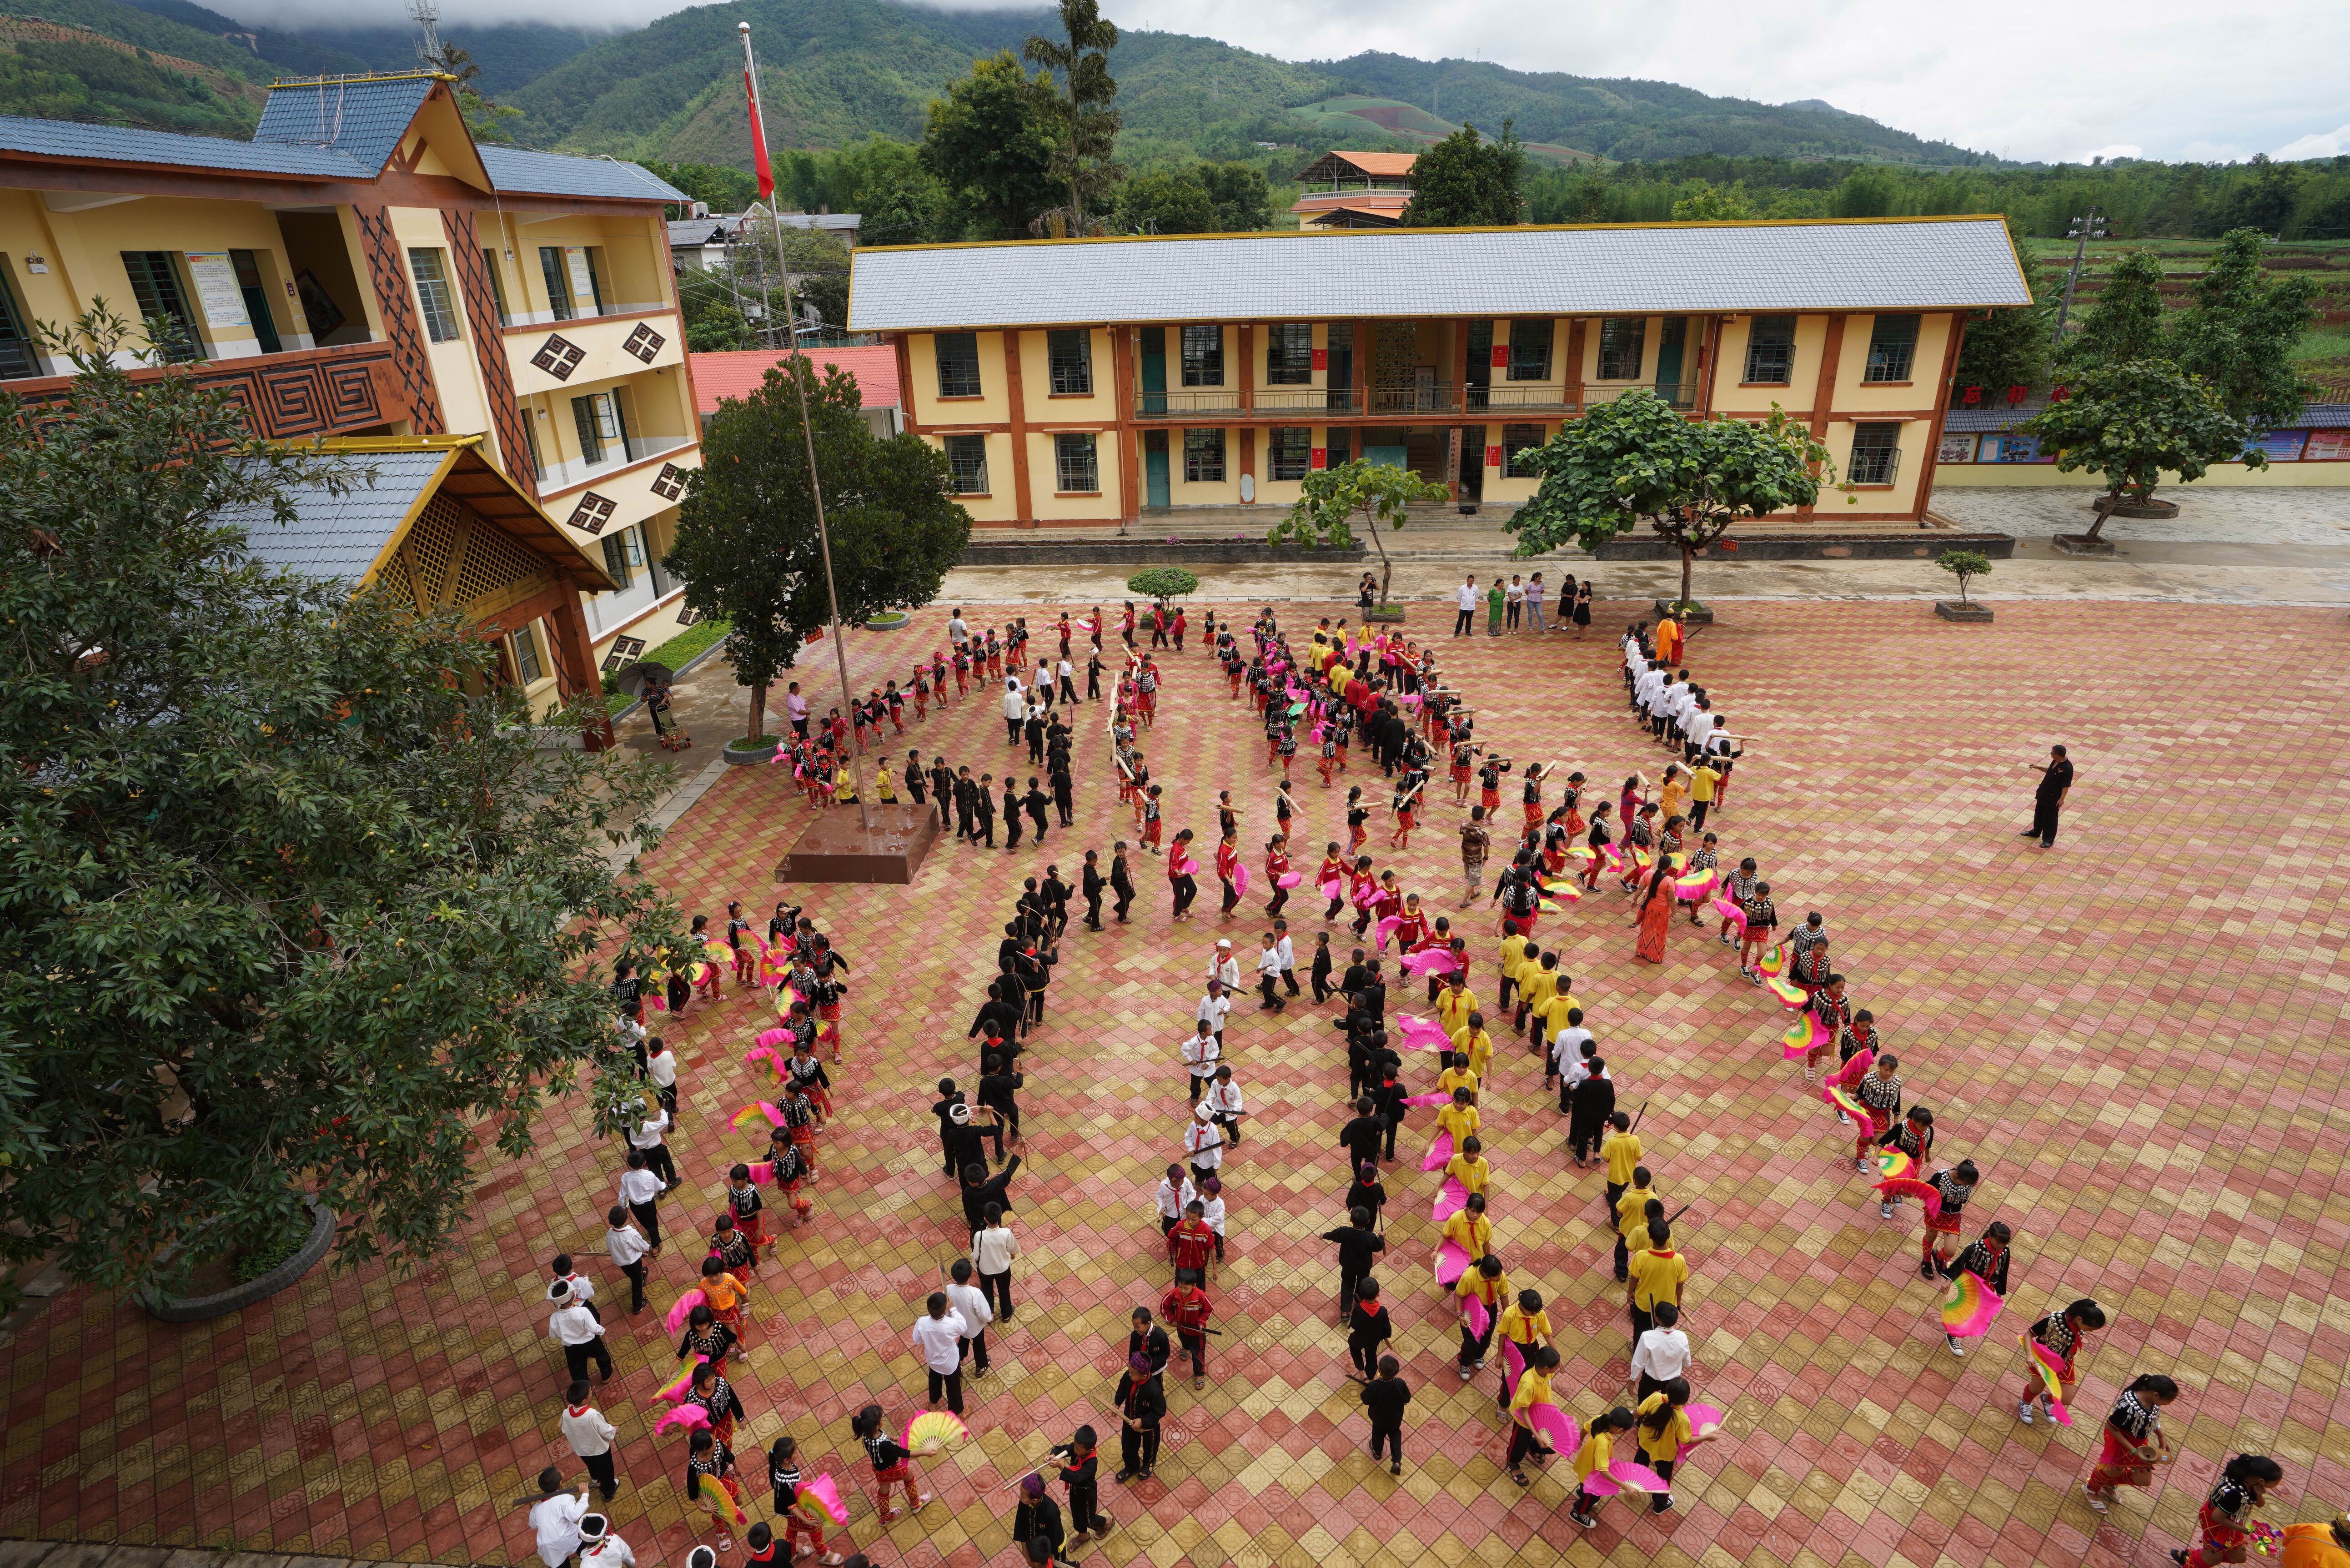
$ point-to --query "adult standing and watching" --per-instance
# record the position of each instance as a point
(2048, 798)
(1465, 619)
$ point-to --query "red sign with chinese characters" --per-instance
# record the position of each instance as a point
(1972, 395)
(1492, 457)
(1321, 358)
(1321, 453)
(1501, 356)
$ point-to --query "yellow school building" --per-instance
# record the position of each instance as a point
(1089, 381)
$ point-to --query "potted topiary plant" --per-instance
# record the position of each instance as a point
(1162, 583)
(1962, 565)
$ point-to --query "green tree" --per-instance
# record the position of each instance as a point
(2265, 203)
(1165, 203)
(1243, 198)
(1330, 499)
(715, 327)
(2007, 348)
(717, 187)
(1466, 182)
(1635, 458)
(746, 545)
(1087, 125)
(1162, 583)
(1964, 565)
(295, 901)
(2239, 330)
(1712, 203)
(2131, 422)
(989, 141)
(2126, 323)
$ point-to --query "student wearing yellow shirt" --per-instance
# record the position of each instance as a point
(1457, 1075)
(1599, 1451)
(1527, 1326)
(1513, 957)
(1453, 1008)
(1537, 983)
(1533, 1389)
(1701, 791)
(1631, 1217)
(1459, 1118)
(1658, 1273)
(1472, 1048)
(1469, 1168)
(1663, 1431)
(1469, 1230)
(1487, 1284)
(1619, 1150)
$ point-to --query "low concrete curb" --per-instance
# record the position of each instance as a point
(200, 1309)
(1923, 545)
(1143, 552)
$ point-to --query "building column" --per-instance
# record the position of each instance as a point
(1128, 440)
(1941, 412)
(568, 623)
(1824, 394)
(1247, 433)
(1016, 405)
(1572, 392)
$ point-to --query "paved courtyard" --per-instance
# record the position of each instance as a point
(2135, 1034)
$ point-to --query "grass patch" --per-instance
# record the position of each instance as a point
(2323, 343)
(675, 653)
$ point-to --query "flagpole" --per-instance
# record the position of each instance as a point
(807, 429)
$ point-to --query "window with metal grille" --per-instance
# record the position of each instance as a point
(527, 668)
(967, 462)
(616, 559)
(1530, 350)
(1070, 356)
(1771, 350)
(497, 285)
(558, 281)
(439, 301)
(598, 420)
(1075, 464)
(1517, 438)
(1289, 354)
(573, 288)
(19, 356)
(958, 355)
(1892, 347)
(155, 284)
(1875, 453)
(1203, 356)
(1623, 343)
(1203, 457)
(1291, 451)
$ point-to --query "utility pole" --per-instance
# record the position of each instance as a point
(2084, 229)
(426, 16)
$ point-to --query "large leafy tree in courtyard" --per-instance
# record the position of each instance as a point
(291, 900)
(1330, 500)
(2123, 325)
(2130, 422)
(1692, 480)
(2239, 331)
(746, 536)
(1465, 180)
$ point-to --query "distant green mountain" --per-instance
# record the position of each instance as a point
(833, 70)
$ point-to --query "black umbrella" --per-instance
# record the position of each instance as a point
(634, 678)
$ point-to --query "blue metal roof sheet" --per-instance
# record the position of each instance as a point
(364, 117)
(559, 174)
(122, 143)
(335, 538)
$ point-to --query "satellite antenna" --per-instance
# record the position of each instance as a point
(426, 16)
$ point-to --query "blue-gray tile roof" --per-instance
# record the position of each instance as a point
(71, 138)
(335, 538)
(557, 175)
(363, 117)
(1664, 268)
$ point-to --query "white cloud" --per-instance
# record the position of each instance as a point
(2119, 150)
(2212, 152)
(2022, 78)
(2317, 144)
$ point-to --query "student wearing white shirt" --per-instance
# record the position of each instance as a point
(629, 1249)
(574, 1325)
(958, 633)
(993, 1249)
(1661, 1354)
(1175, 1194)
(1016, 709)
(660, 1067)
(1268, 977)
(1201, 1053)
(938, 1334)
(1068, 673)
(1216, 1005)
(1224, 1103)
(555, 1518)
(646, 1140)
(1288, 952)
(972, 1307)
(582, 1287)
(599, 1548)
(1211, 1209)
(640, 1189)
(1203, 1140)
(590, 1437)
(1224, 969)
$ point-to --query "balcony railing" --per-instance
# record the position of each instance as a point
(1428, 398)
(1530, 399)
(1192, 403)
(584, 311)
(1676, 395)
(618, 455)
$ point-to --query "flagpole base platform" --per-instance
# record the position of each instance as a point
(887, 847)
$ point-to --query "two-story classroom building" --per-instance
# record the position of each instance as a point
(363, 272)
(1088, 381)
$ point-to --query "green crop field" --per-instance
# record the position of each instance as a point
(1377, 122)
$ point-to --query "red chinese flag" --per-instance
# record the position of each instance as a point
(759, 163)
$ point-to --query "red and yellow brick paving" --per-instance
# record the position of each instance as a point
(2134, 1035)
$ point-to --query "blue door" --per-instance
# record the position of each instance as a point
(1154, 390)
(1154, 466)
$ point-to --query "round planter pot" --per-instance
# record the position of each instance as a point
(745, 754)
(1697, 614)
(2082, 545)
(2140, 509)
(894, 620)
(199, 1309)
(1951, 609)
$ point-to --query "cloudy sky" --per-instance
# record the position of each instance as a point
(2048, 79)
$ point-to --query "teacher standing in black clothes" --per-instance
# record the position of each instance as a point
(2056, 779)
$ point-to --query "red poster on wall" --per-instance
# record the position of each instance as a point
(1321, 358)
(1501, 356)
(1492, 457)
(1321, 457)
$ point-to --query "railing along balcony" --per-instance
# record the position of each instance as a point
(1191, 403)
(1676, 395)
(555, 476)
(1229, 403)
(1425, 398)
(1530, 398)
